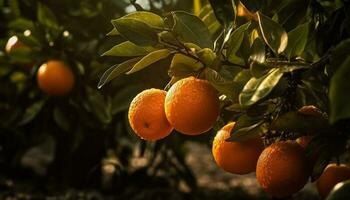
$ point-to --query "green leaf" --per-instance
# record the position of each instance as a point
(297, 122)
(246, 128)
(258, 88)
(182, 65)
(21, 24)
(224, 11)
(136, 31)
(259, 69)
(236, 40)
(116, 71)
(128, 49)
(229, 88)
(257, 52)
(339, 96)
(31, 112)
(207, 56)
(297, 39)
(61, 119)
(211, 22)
(273, 34)
(191, 29)
(113, 32)
(46, 17)
(150, 59)
(339, 54)
(149, 18)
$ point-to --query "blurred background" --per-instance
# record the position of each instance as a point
(80, 146)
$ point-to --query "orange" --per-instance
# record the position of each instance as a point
(147, 116)
(332, 175)
(55, 78)
(282, 169)
(236, 157)
(192, 106)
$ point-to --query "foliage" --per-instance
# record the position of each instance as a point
(69, 140)
(267, 59)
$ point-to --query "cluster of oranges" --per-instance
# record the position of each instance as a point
(54, 77)
(191, 107)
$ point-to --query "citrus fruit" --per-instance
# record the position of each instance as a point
(236, 157)
(282, 169)
(147, 117)
(192, 106)
(55, 78)
(340, 191)
(332, 175)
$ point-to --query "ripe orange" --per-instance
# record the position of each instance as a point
(55, 78)
(192, 106)
(14, 43)
(332, 175)
(147, 117)
(236, 157)
(282, 169)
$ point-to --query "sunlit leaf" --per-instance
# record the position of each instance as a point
(149, 18)
(116, 71)
(227, 87)
(207, 56)
(297, 39)
(235, 40)
(136, 31)
(150, 59)
(273, 34)
(182, 65)
(257, 52)
(247, 127)
(258, 88)
(113, 32)
(191, 29)
(128, 49)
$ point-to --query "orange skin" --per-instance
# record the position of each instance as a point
(282, 169)
(332, 175)
(55, 78)
(147, 117)
(192, 106)
(236, 157)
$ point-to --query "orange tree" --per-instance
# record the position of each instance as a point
(279, 67)
(53, 121)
